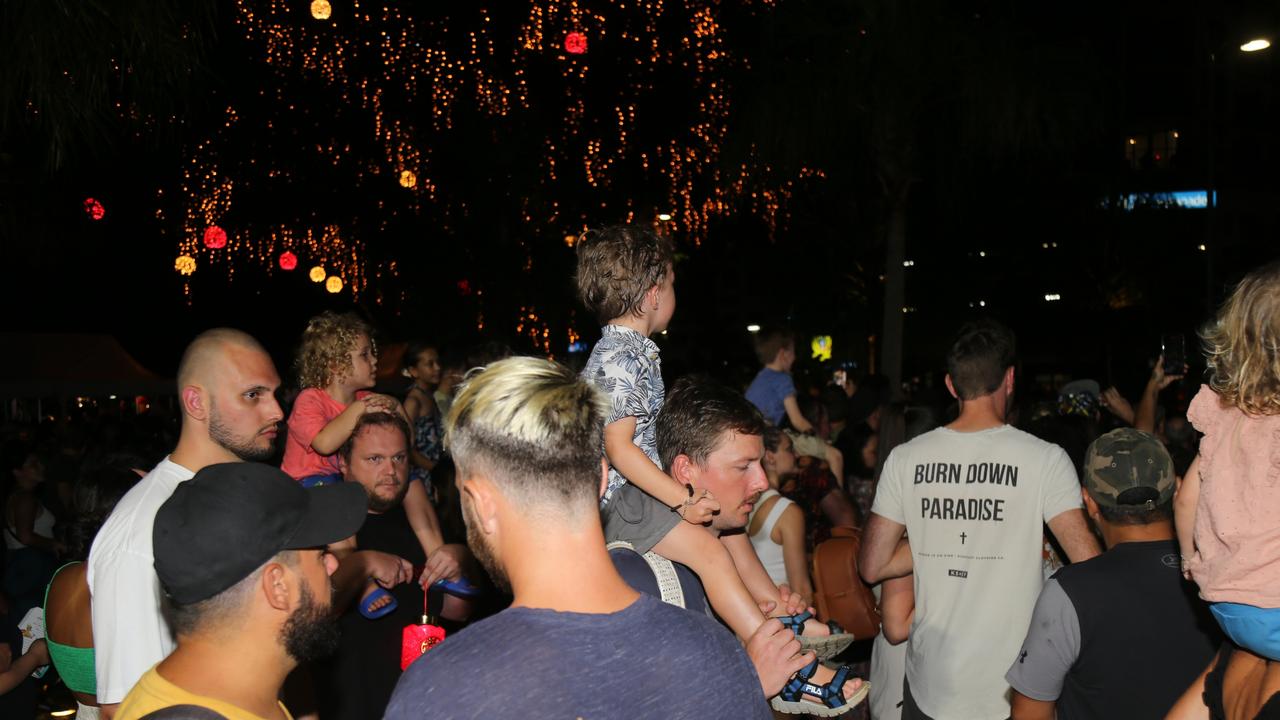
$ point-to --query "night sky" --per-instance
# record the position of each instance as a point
(439, 158)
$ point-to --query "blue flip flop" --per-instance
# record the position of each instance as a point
(461, 588)
(367, 603)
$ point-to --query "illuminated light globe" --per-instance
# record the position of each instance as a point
(94, 209)
(215, 237)
(821, 347)
(317, 274)
(408, 179)
(333, 284)
(575, 43)
(288, 260)
(321, 9)
(185, 264)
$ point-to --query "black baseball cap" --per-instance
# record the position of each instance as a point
(231, 518)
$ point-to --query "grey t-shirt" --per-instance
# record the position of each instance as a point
(649, 660)
(1055, 636)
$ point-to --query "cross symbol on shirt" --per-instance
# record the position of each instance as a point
(962, 537)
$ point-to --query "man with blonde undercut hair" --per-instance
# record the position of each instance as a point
(578, 641)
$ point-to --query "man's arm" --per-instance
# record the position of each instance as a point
(1025, 708)
(1072, 532)
(882, 556)
(897, 608)
(1051, 648)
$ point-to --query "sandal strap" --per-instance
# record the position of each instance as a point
(795, 623)
(794, 689)
(831, 694)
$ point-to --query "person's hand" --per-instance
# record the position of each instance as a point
(793, 602)
(1159, 380)
(375, 402)
(1118, 405)
(444, 564)
(388, 570)
(700, 508)
(775, 652)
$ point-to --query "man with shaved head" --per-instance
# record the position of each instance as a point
(226, 387)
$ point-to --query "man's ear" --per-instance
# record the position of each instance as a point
(1008, 380)
(276, 581)
(483, 498)
(951, 388)
(684, 470)
(343, 464)
(1090, 505)
(194, 402)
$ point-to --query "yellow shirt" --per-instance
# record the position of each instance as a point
(155, 693)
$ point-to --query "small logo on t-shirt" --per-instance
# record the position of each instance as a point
(1022, 657)
(1171, 560)
(958, 573)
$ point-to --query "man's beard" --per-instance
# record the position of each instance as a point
(475, 541)
(246, 450)
(311, 632)
(380, 504)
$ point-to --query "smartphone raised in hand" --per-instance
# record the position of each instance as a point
(1174, 350)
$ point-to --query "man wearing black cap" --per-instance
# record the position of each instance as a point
(240, 551)
(1121, 635)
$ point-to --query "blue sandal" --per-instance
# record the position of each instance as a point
(825, 647)
(792, 701)
(366, 604)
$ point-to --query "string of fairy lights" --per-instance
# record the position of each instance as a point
(410, 73)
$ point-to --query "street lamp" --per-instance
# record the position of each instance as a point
(1255, 45)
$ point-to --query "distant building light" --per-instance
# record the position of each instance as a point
(1255, 45)
(982, 303)
(1133, 141)
(578, 346)
(1201, 247)
(908, 309)
(664, 217)
(908, 263)
(982, 253)
(1186, 199)
(1052, 297)
(111, 397)
(753, 328)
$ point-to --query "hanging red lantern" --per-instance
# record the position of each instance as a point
(288, 260)
(215, 237)
(575, 43)
(94, 209)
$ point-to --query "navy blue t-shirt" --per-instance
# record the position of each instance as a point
(650, 660)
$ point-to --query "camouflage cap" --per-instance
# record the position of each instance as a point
(1126, 459)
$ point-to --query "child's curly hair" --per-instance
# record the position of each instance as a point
(1243, 344)
(326, 346)
(616, 267)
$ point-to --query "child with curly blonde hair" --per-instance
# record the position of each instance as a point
(1226, 509)
(337, 363)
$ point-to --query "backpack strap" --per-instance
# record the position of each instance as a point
(663, 571)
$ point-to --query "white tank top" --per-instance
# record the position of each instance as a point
(42, 526)
(770, 552)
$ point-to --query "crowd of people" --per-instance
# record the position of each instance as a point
(506, 536)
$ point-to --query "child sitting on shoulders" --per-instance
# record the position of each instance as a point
(337, 363)
(625, 276)
(1225, 508)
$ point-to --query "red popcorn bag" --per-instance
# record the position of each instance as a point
(416, 640)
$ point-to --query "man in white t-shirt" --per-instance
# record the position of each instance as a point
(226, 387)
(973, 497)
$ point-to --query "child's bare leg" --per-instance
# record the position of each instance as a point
(710, 560)
(422, 518)
(703, 553)
(757, 580)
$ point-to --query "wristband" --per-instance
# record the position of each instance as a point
(687, 501)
